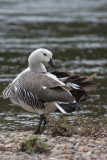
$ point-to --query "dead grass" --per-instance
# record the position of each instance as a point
(80, 125)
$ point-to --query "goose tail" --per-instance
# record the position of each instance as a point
(84, 82)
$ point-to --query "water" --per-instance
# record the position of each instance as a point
(75, 31)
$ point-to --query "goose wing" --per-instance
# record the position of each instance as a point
(35, 89)
(7, 91)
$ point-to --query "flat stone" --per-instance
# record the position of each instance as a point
(91, 140)
(84, 148)
(3, 148)
(99, 139)
(66, 156)
(91, 145)
(72, 139)
(10, 145)
(98, 142)
(88, 153)
(9, 140)
(52, 158)
(8, 153)
(73, 142)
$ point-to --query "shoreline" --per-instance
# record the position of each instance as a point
(75, 147)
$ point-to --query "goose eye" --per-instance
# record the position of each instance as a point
(45, 54)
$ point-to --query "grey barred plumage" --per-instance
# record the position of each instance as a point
(28, 98)
(7, 91)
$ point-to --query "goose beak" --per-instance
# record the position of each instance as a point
(51, 62)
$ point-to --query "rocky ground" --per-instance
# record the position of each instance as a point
(60, 148)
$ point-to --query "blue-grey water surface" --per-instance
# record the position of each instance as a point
(76, 33)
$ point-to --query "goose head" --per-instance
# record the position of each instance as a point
(38, 57)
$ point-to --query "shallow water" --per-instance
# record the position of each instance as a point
(75, 31)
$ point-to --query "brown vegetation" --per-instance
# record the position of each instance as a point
(80, 125)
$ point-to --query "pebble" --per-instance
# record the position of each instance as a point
(8, 153)
(2, 148)
(84, 148)
(9, 145)
(98, 142)
(91, 144)
(88, 153)
(64, 148)
(73, 142)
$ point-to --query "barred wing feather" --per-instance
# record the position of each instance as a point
(7, 91)
(28, 98)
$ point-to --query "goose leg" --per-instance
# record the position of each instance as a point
(44, 124)
(42, 118)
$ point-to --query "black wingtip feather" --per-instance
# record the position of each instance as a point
(69, 107)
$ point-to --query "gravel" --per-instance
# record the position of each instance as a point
(60, 148)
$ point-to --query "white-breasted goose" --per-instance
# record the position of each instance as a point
(39, 91)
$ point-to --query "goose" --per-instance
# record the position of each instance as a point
(42, 92)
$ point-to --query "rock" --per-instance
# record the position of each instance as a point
(3, 148)
(84, 148)
(91, 141)
(99, 139)
(94, 158)
(77, 157)
(98, 142)
(8, 153)
(9, 140)
(72, 139)
(91, 145)
(71, 146)
(73, 142)
(52, 158)
(66, 156)
(10, 145)
(88, 153)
